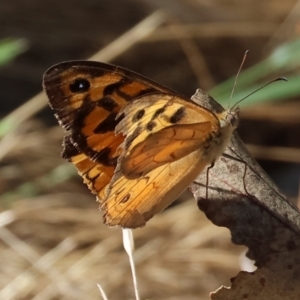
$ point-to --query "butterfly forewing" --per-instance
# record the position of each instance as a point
(86, 98)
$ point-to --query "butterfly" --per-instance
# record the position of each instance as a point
(137, 144)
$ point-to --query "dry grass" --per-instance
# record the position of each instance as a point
(54, 245)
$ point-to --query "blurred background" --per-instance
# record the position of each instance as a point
(53, 244)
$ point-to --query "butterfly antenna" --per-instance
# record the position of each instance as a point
(236, 78)
(272, 81)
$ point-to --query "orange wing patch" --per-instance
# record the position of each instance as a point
(96, 176)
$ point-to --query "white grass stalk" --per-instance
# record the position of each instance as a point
(128, 243)
(104, 297)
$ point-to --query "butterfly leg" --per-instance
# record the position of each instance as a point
(245, 168)
(207, 178)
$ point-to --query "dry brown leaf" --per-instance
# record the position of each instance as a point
(242, 198)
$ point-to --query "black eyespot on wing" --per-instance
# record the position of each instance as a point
(79, 85)
(158, 112)
(138, 115)
(178, 115)
(151, 125)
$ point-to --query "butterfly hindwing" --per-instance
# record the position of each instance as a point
(157, 163)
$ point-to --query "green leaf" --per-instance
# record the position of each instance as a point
(10, 48)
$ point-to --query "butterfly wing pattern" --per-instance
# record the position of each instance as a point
(137, 144)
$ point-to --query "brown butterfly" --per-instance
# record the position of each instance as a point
(136, 143)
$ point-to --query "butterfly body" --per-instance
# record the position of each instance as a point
(136, 144)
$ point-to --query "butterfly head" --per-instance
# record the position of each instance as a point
(230, 118)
